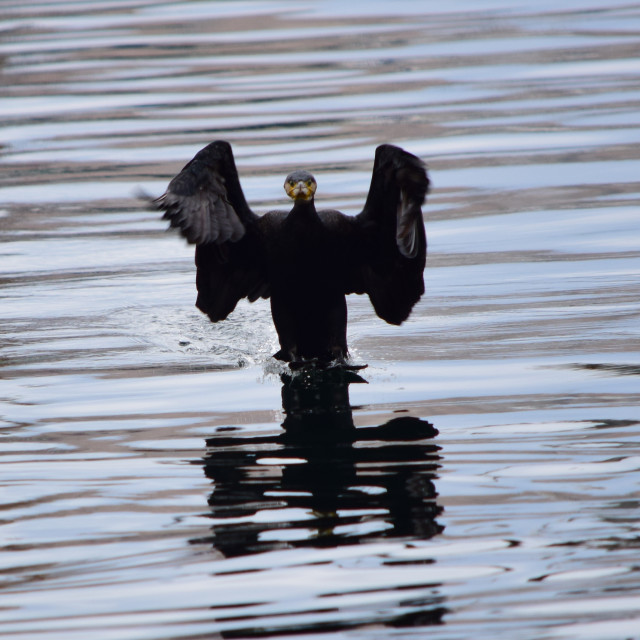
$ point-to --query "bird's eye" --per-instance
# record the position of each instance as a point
(292, 182)
(309, 183)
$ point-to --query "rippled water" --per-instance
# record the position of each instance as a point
(161, 479)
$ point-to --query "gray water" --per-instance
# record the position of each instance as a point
(481, 480)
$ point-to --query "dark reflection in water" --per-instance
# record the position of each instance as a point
(616, 369)
(322, 482)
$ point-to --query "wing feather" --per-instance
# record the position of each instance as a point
(205, 200)
(228, 272)
(206, 204)
(390, 266)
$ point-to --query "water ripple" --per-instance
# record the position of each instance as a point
(163, 478)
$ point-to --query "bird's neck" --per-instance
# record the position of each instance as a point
(304, 209)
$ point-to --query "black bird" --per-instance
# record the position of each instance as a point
(305, 260)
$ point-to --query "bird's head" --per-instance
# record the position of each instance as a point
(300, 185)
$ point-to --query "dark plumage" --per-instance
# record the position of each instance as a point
(305, 260)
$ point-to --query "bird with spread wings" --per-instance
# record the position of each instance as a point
(305, 260)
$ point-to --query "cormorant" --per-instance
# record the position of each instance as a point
(305, 260)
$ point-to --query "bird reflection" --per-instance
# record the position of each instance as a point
(321, 481)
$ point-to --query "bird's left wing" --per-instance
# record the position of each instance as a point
(390, 261)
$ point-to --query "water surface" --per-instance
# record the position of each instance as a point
(162, 479)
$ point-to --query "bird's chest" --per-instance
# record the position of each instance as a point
(301, 256)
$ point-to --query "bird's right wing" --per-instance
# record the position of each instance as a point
(228, 272)
(205, 202)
